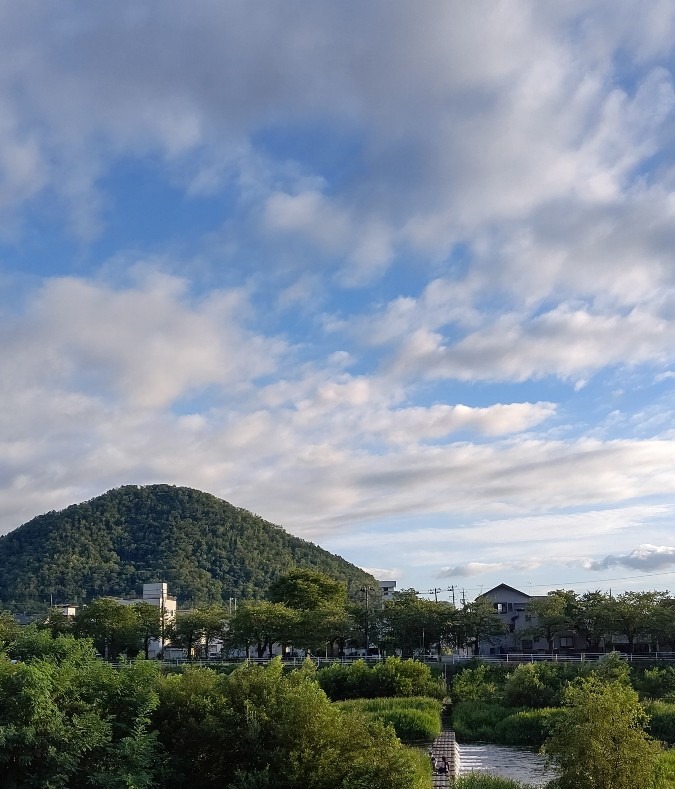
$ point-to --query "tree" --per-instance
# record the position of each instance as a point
(601, 743)
(553, 614)
(593, 618)
(633, 614)
(411, 623)
(187, 631)
(57, 623)
(262, 623)
(265, 728)
(148, 622)
(112, 626)
(9, 629)
(478, 622)
(307, 590)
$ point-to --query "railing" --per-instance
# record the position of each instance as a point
(653, 657)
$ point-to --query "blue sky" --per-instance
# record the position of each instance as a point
(397, 276)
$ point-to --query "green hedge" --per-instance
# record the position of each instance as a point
(413, 719)
(528, 727)
(392, 677)
(661, 721)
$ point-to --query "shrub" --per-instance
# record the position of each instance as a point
(524, 688)
(413, 719)
(474, 684)
(393, 677)
(528, 727)
(656, 683)
(661, 721)
(477, 720)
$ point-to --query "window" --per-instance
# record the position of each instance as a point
(566, 641)
(510, 607)
(501, 608)
(526, 643)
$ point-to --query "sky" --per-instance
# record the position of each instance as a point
(398, 276)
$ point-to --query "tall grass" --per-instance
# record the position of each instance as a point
(661, 721)
(414, 719)
(480, 781)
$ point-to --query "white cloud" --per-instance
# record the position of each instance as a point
(646, 558)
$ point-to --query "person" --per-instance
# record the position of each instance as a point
(434, 763)
(446, 765)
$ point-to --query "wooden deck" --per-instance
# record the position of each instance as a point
(446, 745)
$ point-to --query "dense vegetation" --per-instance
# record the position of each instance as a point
(206, 549)
(69, 720)
(601, 723)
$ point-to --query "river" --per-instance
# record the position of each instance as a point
(519, 764)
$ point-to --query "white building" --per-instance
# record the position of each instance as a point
(156, 594)
(387, 588)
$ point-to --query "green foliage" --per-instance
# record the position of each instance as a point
(525, 688)
(260, 721)
(206, 549)
(474, 684)
(661, 721)
(600, 742)
(477, 720)
(413, 719)
(75, 722)
(113, 627)
(307, 590)
(392, 677)
(409, 622)
(262, 623)
(8, 628)
(528, 727)
(656, 683)
(481, 781)
(478, 623)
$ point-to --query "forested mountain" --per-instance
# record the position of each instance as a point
(206, 549)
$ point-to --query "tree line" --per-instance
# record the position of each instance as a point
(598, 619)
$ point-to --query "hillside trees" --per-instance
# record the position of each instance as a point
(206, 549)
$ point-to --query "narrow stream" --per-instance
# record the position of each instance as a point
(519, 764)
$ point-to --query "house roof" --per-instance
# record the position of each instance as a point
(503, 586)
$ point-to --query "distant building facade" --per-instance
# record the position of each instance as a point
(387, 588)
(511, 605)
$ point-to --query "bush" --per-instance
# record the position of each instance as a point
(478, 720)
(413, 719)
(528, 727)
(661, 724)
(474, 684)
(524, 688)
(656, 683)
(393, 677)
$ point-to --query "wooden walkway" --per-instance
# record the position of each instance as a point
(446, 745)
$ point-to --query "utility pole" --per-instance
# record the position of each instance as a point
(367, 589)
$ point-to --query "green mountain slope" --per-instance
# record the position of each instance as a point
(206, 549)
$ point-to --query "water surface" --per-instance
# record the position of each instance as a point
(519, 764)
